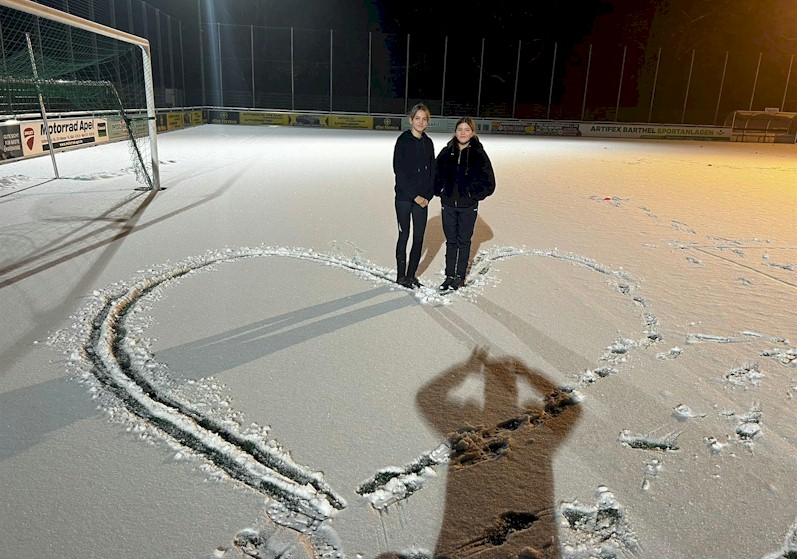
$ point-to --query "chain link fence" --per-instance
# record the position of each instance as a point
(500, 77)
(374, 73)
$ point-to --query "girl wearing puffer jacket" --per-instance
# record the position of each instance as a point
(464, 177)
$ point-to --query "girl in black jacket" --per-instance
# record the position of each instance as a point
(464, 177)
(413, 163)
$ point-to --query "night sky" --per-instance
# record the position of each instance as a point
(742, 28)
(766, 25)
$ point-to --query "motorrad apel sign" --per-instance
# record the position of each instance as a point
(63, 134)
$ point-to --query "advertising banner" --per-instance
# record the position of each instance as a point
(536, 128)
(174, 121)
(196, 117)
(224, 117)
(447, 125)
(63, 133)
(350, 122)
(512, 127)
(118, 131)
(11, 142)
(656, 131)
(556, 129)
(387, 123)
(313, 121)
(161, 123)
(278, 119)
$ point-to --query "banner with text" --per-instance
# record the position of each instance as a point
(11, 142)
(656, 131)
(269, 119)
(532, 128)
(63, 133)
(224, 117)
(387, 123)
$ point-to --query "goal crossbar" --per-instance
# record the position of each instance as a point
(52, 14)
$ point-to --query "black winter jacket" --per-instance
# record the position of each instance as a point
(413, 163)
(463, 177)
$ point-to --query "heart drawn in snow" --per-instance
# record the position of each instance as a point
(298, 497)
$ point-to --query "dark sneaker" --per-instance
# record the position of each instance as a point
(415, 283)
(404, 282)
(456, 283)
(447, 284)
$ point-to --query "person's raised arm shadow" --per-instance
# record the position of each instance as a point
(500, 486)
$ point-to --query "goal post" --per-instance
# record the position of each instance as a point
(55, 64)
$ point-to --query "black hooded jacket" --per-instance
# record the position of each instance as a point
(464, 177)
(413, 163)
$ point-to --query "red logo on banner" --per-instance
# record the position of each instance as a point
(30, 137)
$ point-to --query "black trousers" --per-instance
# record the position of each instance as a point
(458, 225)
(404, 211)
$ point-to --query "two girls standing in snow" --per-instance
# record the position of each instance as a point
(414, 166)
(463, 178)
(461, 175)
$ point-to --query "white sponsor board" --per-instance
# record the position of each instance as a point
(655, 131)
(447, 125)
(63, 134)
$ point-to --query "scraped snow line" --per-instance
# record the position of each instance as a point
(244, 457)
(302, 500)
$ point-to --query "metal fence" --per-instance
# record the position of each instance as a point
(374, 73)
(502, 77)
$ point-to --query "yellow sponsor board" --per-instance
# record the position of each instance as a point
(358, 122)
(192, 118)
(174, 121)
(280, 119)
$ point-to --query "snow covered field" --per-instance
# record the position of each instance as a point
(618, 378)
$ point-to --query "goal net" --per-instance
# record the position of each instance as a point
(77, 75)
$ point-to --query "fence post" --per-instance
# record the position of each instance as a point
(722, 84)
(330, 69)
(252, 49)
(586, 83)
(786, 89)
(755, 82)
(293, 77)
(553, 71)
(655, 81)
(620, 87)
(407, 76)
(481, 75)
(201, 54)
(517, 76)
(182, 65)
(688, 85)
(443, 92)
(369, 72)
(171, 56)
(160, 47)
(221, 78)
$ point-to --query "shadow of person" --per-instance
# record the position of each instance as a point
(434, 240)
(482, 233)
(500, 491)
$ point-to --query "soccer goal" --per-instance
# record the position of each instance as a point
(67, 81)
